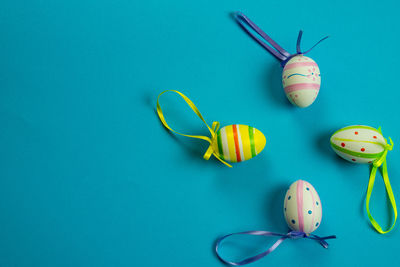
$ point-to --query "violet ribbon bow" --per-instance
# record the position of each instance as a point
(291, 235)
(270, 45)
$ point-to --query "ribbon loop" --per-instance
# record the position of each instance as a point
(213, 129)
(376, 164)
(270, 45)
(290, 234)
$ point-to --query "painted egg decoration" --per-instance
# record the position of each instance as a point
(236, 143)
(302, 207)
(301, 80)
(358, 143)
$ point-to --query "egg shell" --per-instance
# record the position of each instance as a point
(302, 207)
(236, 143)
(358, 143)
(301, 80)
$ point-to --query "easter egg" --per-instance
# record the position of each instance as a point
(358, 143)
(301, 80)
(302, 207)
(236, 143)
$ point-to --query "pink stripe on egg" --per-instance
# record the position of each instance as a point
(300, 205)
(320, 205)
(299, 64)
(301, 86)
(313, 210)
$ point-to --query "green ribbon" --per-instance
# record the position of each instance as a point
(381, 161)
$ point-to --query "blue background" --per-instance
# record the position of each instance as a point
(90, 177)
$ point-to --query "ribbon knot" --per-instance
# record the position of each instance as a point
(296, 235)
(210, 151)
(388, 147)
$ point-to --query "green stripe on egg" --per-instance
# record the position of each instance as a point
(356, 154)
(221, 152)
(357, 127)
(252, 145)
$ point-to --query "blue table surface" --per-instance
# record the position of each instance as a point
(90, 177)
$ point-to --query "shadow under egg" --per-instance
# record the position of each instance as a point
(272, 78)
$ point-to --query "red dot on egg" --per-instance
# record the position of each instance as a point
(362, 149)
(343, 144)
(353, 159)
(370, 161)
(374, 136)
(355, 132)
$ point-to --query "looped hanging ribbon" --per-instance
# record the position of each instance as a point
(270, 45)
(213, 129)
(381, 161)
(291, 235)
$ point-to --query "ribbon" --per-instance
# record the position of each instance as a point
(376, 164)
(270, 45)
(291, 235)
(213, 129)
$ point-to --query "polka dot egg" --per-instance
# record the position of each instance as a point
(358, 143)
(302, 207)
(301, 80)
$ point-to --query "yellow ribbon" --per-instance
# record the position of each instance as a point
(376, 164)
(213, 129)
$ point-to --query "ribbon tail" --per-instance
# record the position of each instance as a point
(323, 243)
(298, 49)
(317, 43)
(210, 151)
(223, 161)
(321, 240)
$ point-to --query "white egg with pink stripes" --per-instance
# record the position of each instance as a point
(302, 207)
(301, 80)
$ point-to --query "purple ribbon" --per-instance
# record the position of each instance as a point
(271, 46)
(291, 235)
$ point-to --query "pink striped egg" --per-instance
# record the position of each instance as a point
(302, 207)
(301, 80)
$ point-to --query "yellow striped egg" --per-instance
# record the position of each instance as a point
(302, 207)
(358, 143)
(301, 80)
(236, 143)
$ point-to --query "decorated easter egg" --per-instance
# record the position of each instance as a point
(301, 80)
(358, 143)
(302, 207)
(236, 143)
